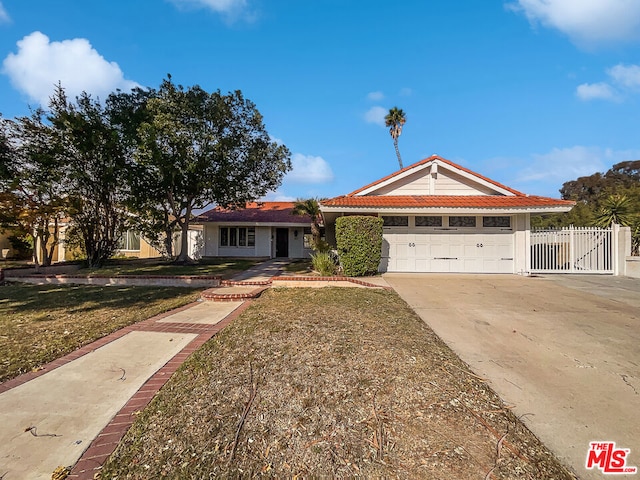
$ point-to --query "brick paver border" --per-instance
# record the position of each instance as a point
(107, 440)
(101, 342)
(105, 443)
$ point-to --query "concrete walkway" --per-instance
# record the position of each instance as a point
(75, 410)
(264, 271)
(80, 406)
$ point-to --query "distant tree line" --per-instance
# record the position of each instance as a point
(141, 160)
(601, 199)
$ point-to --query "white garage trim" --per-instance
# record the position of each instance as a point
(448, 249)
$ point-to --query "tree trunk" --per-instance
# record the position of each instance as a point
(395, 144)
(315, 233)
(184, 240)
(168, 243)
(54, 244)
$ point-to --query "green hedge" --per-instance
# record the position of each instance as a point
(359, 243)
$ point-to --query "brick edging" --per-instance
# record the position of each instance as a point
(211, 295)
(107, 440)
(328, 279)
(90, 347)
(134, 277)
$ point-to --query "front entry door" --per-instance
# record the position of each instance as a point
(282, 242)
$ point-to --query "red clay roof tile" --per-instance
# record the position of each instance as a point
(451, 201)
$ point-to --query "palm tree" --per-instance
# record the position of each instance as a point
(395, 119)
(615, 209)
(310, 207)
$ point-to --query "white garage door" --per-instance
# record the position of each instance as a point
(448, 252)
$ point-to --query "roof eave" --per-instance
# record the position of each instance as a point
(444, 210)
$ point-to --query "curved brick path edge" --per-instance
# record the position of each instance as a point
(105, 443)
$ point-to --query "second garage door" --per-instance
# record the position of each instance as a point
(448, 252)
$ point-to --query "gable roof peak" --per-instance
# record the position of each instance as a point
(438, 160)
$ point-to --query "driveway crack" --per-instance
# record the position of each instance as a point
(624, 379)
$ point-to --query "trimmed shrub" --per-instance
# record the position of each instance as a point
(323, 264)
(359, 240)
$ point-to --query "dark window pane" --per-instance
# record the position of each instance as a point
(428, 221)
(462, 221)
(242, 237)
(504, 222)
(395, 221)
(224, 237)
(251, 237)
(233, 237)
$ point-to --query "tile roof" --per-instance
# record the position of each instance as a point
(262, 212)
(517, 200)
(442, 160)
(450, 201)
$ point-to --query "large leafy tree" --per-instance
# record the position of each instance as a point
(149, 216)
(199, 148)
(33, 197)
(6, 152)
(395, 120)
(96, 173)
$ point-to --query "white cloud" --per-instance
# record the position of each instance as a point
(4, 16)
(278, 196)
(309, 169)
(376, 115)
(40, 64)
(585, 22)
(405, 92)
(627, 76)
(375, 96)
(592, 91)
(544, 174)
(561, 164)
(228, 7)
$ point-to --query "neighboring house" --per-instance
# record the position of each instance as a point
(132, 245)
(441, 217)
(265, 229)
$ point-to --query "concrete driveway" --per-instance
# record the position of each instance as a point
(564, 350)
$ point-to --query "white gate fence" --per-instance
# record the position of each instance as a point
(575, 250)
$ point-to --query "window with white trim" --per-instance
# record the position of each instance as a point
(237, 236)
(395, 221)
(428, 221)
(130, 241)
(465, 221)
(504, 222)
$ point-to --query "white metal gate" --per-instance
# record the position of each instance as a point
(573, 250)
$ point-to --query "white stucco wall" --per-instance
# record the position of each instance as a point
(522, 243)
(263, 242)
(210, 240)
(264, 247)
(296, 244)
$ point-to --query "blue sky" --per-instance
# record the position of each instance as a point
(531, 93)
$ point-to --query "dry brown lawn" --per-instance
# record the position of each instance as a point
(39, 323)
(329, 382)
